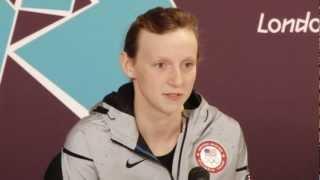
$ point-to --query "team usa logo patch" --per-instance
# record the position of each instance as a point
(211, 156)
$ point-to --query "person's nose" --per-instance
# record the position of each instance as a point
(176, 77)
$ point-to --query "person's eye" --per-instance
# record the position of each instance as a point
(160, 65)
(189, 64)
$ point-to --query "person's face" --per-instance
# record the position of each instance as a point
(164, 69)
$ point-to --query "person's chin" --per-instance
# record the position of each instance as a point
(170, 108)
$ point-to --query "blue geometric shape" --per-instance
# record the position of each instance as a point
(82, 55)
(6, 20)
(48, 4)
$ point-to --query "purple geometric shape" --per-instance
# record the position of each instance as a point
(33, 125)
(13, 1)
(79, 4)
(29, 22)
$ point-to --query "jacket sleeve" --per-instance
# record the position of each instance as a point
(76, 160)
(242, 169)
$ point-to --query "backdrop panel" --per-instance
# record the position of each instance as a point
(259, 65)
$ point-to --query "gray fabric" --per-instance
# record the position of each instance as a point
(111, 141)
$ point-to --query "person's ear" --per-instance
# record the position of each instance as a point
(127, 65)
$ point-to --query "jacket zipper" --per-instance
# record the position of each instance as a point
(181, 149)
(171, 177)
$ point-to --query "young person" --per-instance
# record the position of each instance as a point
(156, 127)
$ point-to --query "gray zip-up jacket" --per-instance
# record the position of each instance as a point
(106, 145)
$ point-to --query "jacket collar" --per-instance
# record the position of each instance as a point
(119, 107)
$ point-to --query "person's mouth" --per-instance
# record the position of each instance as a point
(173, 96)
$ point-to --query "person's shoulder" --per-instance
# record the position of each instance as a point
(221, 126)
(93, 123)
(223, 120)
(88, 131)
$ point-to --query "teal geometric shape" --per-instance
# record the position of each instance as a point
(6, 20)
(82, 55)
(48, 4)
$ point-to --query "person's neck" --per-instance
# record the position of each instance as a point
(159, 130)
(158, 124)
